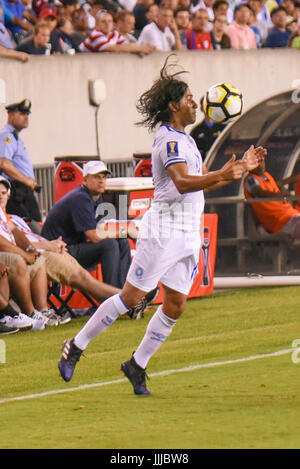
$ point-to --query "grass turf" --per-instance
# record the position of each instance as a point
(253, 404)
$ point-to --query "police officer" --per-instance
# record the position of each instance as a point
(206, 132)
(15, 163)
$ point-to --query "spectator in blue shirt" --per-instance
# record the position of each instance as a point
(74, 218)
(16, 18)
(279, 35)
(6, 44)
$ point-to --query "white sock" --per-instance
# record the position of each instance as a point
(104, 317)
(159, 328)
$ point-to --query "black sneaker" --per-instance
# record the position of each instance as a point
(137, 376)
(6, 330)
(69, 358)
(137, 311)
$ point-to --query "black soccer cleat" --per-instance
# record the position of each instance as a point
(70, 356)
(136, 375)
(137, 311)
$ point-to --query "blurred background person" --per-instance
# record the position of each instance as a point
(162, 33)
(38, 44)
(198, 38)
(240, 34)
(183, 22)
(206, 132)
(80, 27)
(280, 34)
(219, 39)
(125, 25)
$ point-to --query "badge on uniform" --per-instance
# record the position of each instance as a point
(172, 148)
(7, 140)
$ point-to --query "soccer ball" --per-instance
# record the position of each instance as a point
(223, 103)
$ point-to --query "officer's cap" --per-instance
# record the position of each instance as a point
(22, 106)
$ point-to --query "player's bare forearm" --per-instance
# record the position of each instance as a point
(186, 182)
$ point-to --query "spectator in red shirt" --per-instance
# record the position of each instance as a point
(105, 38)
(198, 38)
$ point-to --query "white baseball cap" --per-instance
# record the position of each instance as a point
(95, 167)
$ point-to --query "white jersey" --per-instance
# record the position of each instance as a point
(180, 211)
(170, 233)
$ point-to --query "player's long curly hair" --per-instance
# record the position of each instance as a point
(154, 103)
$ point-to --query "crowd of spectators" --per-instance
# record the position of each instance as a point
(69, 27)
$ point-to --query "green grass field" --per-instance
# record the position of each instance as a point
(244, 404)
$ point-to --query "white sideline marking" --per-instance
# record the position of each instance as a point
(159, 373)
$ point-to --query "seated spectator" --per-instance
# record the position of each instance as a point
(183, 22)
(105, 38)
(206, 132)
(198, 38)
(280, 34)
(263, 19)
(206, 5)
(6, 310)
(61, 267)
(240, 34)
(278, 216)
(61, 37)
(6, 45)
(37, 6)
(140, 12)
(80, 27)
(69, 7)
(292, 25)
(26, 274)
(289, 7)
(29, 12)
(219, 38)
(125, 24)
(162, 33)
(253, 23)
(221, 7)
(49, 15)
(16, 19)
(294, 40)
(151, 13)
(73, 218)
(38, 44)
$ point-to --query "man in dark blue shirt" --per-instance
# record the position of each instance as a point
(74, 218)
(280, 34)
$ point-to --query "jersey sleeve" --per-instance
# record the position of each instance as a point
(172, 152)
(6, 146)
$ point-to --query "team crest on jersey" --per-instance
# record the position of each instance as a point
(7, 140)
(172, 148)
(139, 272)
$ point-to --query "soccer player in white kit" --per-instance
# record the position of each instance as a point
(168, 245)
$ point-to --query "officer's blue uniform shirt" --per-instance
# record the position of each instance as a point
(12, 148)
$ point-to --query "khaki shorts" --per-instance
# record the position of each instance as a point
(11, 260)
(60, 267)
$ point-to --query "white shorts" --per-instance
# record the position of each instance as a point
(172, 262)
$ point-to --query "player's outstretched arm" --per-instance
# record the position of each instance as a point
(185, 182)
